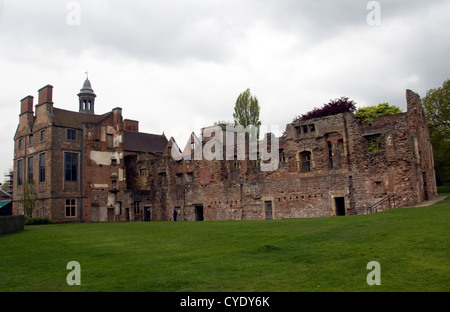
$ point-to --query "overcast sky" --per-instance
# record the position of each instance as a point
(179, 65)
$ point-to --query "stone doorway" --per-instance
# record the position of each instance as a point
(199, 213)
(339, 203)
(268, 210)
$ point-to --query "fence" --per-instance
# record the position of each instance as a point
(11, 224)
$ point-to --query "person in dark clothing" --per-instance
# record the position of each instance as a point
(175, 214)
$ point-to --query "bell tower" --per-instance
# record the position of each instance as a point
(87, 98)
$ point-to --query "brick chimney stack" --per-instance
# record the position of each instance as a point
(26, 105)
(131, 125)
(45, 94)
(45, 102)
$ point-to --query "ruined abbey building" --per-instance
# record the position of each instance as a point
(90, 167)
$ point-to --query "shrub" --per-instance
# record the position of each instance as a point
(334, 107)
(37, 221)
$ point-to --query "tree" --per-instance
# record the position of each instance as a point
(336, 106)
(246, 111)
(437, 112)
(29, 196)
(369, 113)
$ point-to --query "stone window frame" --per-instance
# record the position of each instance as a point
(374, 143)
(42, 136)
(30, 168)
(77, 167)
(71, 134)
(20, 172)
(311, 160)
(41, 167)
(71, 203)
(264, 200)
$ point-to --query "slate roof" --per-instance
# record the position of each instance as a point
(144, 142)
(70, 119)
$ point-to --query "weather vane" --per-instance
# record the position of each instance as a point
(87, 75)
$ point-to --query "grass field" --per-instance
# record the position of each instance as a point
(301, 255)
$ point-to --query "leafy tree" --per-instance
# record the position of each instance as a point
(369, 113)
(246, 110)
(336, 106)
(29, 197)
(437, 111)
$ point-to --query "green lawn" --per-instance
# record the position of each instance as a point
(324, 254)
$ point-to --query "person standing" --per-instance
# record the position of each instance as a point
(175, 214)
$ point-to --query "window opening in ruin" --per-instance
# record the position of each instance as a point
(373, 144)
(162, 178)
(340, 206)
(234, 170)
(268, 210)
(96, 144)
(305, 161)
(42, 135)
(312, 128)
(189, 177)
(305, 129)
(199, 213)
(298, 131)
(113, 161)
(142, 172)
(71, 204)
(330, 154)
(179, 178)
(137, 207)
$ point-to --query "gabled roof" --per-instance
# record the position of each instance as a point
(143, 142)
(65, 118)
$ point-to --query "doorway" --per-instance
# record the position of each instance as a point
(268, 209)
(147, 213)
(339, 203)
(425, 189)
(199, 213)
(110, 214)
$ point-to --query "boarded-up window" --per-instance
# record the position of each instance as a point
(109, 141)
